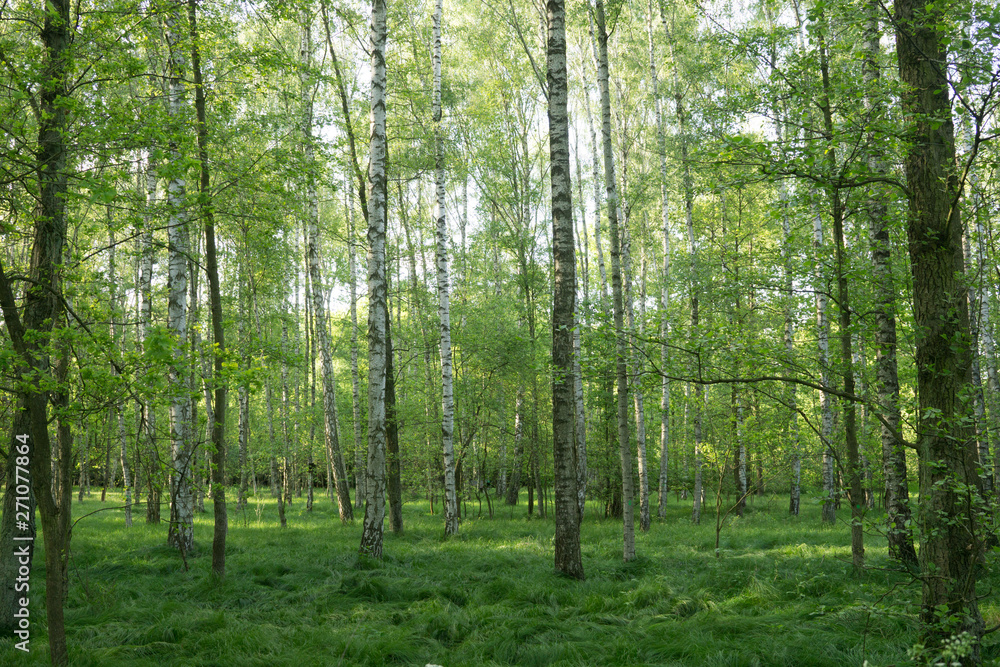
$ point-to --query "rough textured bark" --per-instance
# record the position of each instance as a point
(949, 546)
(180, 533)
(371, 538)
(568, 559)
(42, 308)
(625, 450)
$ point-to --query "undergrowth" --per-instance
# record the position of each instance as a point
(782, 592)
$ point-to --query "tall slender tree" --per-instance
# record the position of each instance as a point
(378, 314)
(568, 559)
(444, 308)
(624, 448)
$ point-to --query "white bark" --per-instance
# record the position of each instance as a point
(625, 451)
(181, 529)
(989, 357)
(371, 539)
(119, 412)
(147, 416)
(790, 398)
(581, 423)
(826, 404)
(359, 458)
(661, 147)
(332, 431)
(444, 313)
(638, 399)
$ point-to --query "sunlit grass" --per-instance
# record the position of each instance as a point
(781, 593)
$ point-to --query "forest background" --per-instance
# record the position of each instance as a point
(712, 194)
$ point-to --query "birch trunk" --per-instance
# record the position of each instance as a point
(332, 433)
(637, 393)
(444, 309)
(789, 332)
(147, 416)
(854, 480)
(514, 487)
(568, 511)
(628, 529)
(694, 298)
(217, 414)
(359, 465)
(371, 538)
(978, 399)
(181, 529)
(826, 404)
(661, 147)
(990, 358)
(119, 412)
(581, 422)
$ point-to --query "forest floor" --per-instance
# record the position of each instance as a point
(780, 592)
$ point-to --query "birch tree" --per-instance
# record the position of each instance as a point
(444, 310)
(625, 451)
(181, 529)
(331, 427)
(378, 315)
(568, 559)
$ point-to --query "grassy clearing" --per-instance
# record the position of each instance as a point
(781, 594)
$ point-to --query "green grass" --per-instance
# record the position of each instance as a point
(782, 593)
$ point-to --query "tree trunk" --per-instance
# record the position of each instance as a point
(359, 465)
(568, 560)
(638, 402)
(628, 531)
(854, 480)
(42, 309)
(218, 414)
(378, 315)
(949, 548)
(332, 431)
(147, 417)
(514, 487)
(794, 497)
(441, 229)
(181, 529)
(826, 403)
(394, 483)
(661, 147)
(118, 409)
